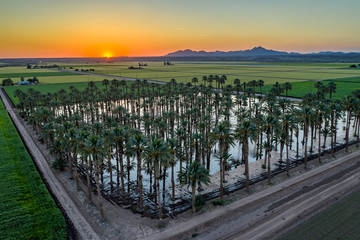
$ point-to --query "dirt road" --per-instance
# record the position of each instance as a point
(84, 230)
(267, 214)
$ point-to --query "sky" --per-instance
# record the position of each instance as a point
(89, 28)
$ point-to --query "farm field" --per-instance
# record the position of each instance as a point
(344, 87)
(27, 210)
(340, 221)
(302, 76)
(269, 72)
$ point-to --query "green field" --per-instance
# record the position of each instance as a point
(301, 75)
(344, 87)
(340, 221)
(269, 72)
(27, 210)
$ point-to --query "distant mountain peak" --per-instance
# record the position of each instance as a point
(254, 51)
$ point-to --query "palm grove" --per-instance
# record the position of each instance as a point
(150, 130)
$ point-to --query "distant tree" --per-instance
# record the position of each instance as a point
(7, 82)
(28, 66)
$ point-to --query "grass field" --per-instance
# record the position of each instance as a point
(269, 72)
(27, 210)
(301, 75)
(340, 221)
(344, 87)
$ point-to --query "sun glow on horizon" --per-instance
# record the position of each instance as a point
(107, 55)
(100, 31)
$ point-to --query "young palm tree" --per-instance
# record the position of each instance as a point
(194, 175)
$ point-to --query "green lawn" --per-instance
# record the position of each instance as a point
(340, 221)
(27, 211)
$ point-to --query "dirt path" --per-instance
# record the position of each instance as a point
(84, 230)
(266, 214)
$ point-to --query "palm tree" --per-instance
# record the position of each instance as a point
(246, 131)
(194, 175)
(173, 147)
(119, 136)
(287, 86)
(221, 134)
(138, 143)
(270, 126)
(157, 152)
(331, 88)
(287, 123)
(194, 80)
(306, 115)
(260, 83)
(94, 146)
(350, 103)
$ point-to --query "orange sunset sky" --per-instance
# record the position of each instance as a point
(80, 28)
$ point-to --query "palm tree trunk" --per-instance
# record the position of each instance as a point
(117, 168)
(98, 190)
(76, 173)
(110, 172)
(332, 133)
(305, 142)
(221, 170)
(88, 178)
(172, 182)
(139, 177)
(287, 153)
(348, 118)
(319, 139)
(122, 171)
(193, 188)
(158, 190)
(246, 159)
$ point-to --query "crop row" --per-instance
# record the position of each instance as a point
(27, 210)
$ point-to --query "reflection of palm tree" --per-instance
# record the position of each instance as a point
(194, 175)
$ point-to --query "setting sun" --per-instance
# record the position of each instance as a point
(107, 55)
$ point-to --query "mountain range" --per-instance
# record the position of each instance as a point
(256, 51)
